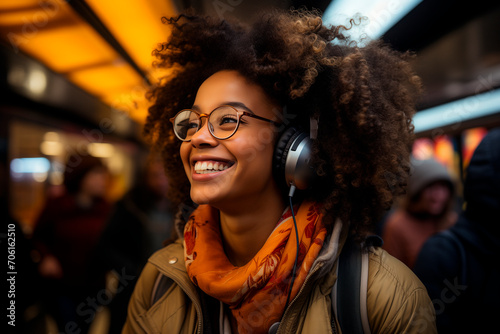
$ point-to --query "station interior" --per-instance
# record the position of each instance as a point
(74, 76)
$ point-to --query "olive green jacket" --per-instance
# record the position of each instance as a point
(397, 302)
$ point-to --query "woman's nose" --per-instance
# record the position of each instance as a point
(203, 137)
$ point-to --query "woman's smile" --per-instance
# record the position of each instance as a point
(207, 170)
(209, 167)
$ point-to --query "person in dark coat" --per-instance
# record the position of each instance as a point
(460, 267)
(65, 235)
(139, 224)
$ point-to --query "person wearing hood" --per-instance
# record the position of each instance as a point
(460, 267)
(427, 209)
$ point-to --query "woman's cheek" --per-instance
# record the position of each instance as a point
(184, 153)
(253, 147)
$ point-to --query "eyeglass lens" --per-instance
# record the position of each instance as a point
(222, 123)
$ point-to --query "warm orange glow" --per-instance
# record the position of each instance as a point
(471, 138)
(444, 149)
(100, 80)
(17, 18)
(136, 25)
(54, 34)
(132, 101)
(446, 154)
(64, 50)
(16, 4)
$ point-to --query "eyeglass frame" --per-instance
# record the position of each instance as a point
(239, 113)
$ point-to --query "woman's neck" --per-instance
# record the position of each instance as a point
(245, 232)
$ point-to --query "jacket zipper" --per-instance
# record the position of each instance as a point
(198, 309)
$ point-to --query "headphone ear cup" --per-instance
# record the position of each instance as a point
(281, 151)
(291, 159)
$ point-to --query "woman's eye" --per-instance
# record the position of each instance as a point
(228, 119)
(185, 125)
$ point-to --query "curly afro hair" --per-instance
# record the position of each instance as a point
(364, 99)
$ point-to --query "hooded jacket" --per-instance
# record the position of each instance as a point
(469, 303)
(409, 225)
(396, 300)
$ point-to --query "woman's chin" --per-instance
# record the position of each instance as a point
(202, 195)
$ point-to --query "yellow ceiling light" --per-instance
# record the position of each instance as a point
(71, 48)
(16, 4)
(16, 17)
(136, 25)
(57, 36)
(99, 80)
(132, 101)
(63, 43)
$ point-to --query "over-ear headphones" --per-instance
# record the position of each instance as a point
(291, 158)
(291, 165)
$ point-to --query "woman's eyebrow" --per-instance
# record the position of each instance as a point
(238, 105)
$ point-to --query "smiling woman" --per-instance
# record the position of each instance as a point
(243, 101)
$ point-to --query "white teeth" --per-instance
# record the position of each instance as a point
(210, 167)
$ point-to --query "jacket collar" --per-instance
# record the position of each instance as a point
(170, 260)
(331, 249)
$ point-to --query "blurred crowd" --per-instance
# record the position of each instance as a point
(453, 250)
(86, 253)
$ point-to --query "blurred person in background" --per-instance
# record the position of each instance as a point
(460, 266)
(427, 208)
(65, 235)
(139, 224)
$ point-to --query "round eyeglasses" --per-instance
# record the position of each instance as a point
(223, 122)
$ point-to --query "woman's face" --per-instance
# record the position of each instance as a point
(237, 170)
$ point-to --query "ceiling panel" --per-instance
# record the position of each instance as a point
(53, 33)
(136, 25)
(106, 79)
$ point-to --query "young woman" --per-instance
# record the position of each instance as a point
(222, 119)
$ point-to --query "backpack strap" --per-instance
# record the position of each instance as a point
(363, 293)
(349, 293)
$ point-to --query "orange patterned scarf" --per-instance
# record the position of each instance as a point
(256, 292)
